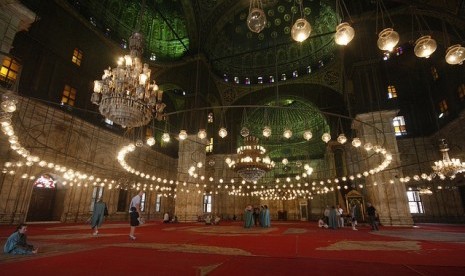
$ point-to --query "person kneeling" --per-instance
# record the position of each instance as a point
(16, 244)
(322, 224)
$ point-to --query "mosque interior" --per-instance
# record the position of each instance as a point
(237, 112)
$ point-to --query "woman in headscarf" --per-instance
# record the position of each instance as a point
(98, 215)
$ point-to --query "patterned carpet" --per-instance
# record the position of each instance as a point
(228, 249)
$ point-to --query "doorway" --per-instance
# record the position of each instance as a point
(43, 203)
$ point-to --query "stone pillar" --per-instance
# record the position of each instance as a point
(384, 190)
(189, 202)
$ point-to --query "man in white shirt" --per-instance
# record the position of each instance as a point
(340, 216)
(135, 203)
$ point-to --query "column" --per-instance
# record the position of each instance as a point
(384, 190)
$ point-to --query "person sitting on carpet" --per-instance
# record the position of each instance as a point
(216, 220)
(16, 244)
(322, 224)
(208, 220)
(166, 218)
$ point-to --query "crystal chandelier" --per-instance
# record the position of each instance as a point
(447, 167)
(126, 95)
(251, 162)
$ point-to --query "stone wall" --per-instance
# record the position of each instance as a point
(63, 140)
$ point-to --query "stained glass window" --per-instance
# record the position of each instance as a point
(45, 181)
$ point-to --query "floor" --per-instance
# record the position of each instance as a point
(229, 249)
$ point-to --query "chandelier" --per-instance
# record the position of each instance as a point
(251, 163)
(447, 167)
(126, 95)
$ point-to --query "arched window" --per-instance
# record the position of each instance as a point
(45, 181)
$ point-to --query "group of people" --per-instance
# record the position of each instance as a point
(257, 216)
(334, 217)
(100, 211)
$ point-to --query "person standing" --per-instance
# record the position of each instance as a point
(266, 217)
(134, 209)
(326, 214)
(371, 212)
(256, 215)
(353, 214)
(340, 215)
(16, 244)
(98, 216)
(333, 223)
(248, 217)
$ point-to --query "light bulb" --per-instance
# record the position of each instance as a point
(301, 30)
(202, 134)
(223, 132)
(388, 39)
(256, 20)
(326, 137)
(266, 131)
(344, 34)
(182, 135)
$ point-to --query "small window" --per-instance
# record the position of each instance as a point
(392, 92)
(69, 95)
(434, 73)
(414, 202)
(207, 203)
(443, 108)
(96, 194)
(461, 92)
(77, 57)
(247, 80)
(9, 71)
(295, 74)
(399, 126)
(209, 147)
(158, 203)
(271, 79)
(283, 77)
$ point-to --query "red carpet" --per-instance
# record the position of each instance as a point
(229, 249)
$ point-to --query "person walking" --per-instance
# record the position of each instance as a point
(135, 213)
(371, 212)
(98, 216)
(16, 244)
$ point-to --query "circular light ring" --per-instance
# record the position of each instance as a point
(387, 158)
